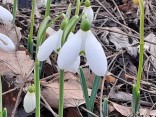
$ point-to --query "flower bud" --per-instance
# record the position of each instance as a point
(29, 103)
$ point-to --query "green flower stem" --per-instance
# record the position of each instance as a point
(1, 108)
(141, 6)
(136, 87)
(77, 7)
(47, 12)
(14, 10)
(37, 87)
(40, 35)
(65, 35)
(30, 38)
(4, 112)
(37, 65)
(61, 93)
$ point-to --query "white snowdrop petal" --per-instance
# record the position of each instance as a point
(83, 35)
(59, 40)
(95, 55)
(48, 46)
(74, 67)
(6, 43)
(70, 51)
(5, 15)
(29, 103)
(89, 12)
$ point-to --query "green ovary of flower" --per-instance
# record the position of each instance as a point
(85, 25)
(31, 88)
(87, 3)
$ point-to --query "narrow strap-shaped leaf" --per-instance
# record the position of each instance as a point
(68, 13)
(14, 10)
(105, 108)
(41, 30)
(94, 91)
(47, 8)
(84, 88)
(68, 28)
(135, 100)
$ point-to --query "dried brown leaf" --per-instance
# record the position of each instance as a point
(124, 110)
(152, 47)
(120, 40)
(109, 78)
(73, 95)
(17, 63)
(121, 96)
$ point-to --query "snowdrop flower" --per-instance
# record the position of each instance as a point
(6, 43)
(52, 43)
(30, 100)
(88, 11)
(84, 40)
(5, 15)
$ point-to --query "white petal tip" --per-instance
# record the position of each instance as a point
(6, 43)
(5, 15)
(95, 55)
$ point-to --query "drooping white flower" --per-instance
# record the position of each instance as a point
(29, 102)
(89, 12)
(87, 42)
(5, 15)
(6, 43)
(52, 43)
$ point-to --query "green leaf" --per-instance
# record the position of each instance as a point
(47, 8)
(14, 10)
(105, 108)
(135, 100)
(41, 30)
(84, 88)
(68, 28)
(94, 92)
(68, 13)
